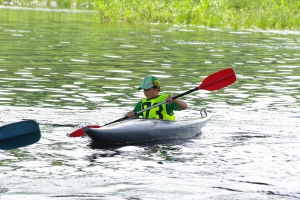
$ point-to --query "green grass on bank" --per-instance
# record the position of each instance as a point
(261, 14)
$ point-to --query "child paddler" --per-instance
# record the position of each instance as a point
(151, 87)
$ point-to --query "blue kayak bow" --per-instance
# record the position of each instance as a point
(19, 134)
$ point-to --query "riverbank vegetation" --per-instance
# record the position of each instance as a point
(236, 14)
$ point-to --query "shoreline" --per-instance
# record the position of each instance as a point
(239, 14)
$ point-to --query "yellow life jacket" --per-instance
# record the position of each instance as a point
(158, 112)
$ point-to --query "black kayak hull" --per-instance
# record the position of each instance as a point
(143, 130)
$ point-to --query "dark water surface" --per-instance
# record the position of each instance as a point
(65, 70)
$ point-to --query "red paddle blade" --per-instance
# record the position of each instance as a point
(218, 80)
(80, 132)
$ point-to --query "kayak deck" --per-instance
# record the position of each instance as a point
(143, 130)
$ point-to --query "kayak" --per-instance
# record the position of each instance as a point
(156, 129)
(144, 130)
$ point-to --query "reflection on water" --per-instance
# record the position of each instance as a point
(66, 63)
(66, 70)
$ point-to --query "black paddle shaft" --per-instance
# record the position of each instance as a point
(185, 93)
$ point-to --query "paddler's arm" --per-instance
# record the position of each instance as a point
(181, 104)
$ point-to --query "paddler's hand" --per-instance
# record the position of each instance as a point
(181, 104)
(130, 114)
(169, 99)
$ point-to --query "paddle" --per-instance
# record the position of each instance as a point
(213, 82)
(19, 134)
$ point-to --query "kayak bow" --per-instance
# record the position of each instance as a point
(19, 134)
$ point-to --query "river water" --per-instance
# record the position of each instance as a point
(64, 69)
